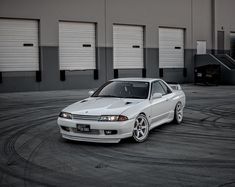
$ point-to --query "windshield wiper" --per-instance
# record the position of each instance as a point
(133, 97)
(107, 96)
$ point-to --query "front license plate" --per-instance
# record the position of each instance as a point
(83, 128)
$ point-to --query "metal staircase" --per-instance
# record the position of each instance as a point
(226, 60)
(227, 65)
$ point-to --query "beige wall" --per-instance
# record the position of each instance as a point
(202, 22)
(225, 17)
(151, 13)
(195, 16)
(50, 11)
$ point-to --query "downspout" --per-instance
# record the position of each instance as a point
(213, 26)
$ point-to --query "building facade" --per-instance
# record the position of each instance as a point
(73, 44)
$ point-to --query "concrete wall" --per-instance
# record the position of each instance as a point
(50, 12)
(195, 16)
(202, 23)
(224, 19)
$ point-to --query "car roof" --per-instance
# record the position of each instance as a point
(136, 79)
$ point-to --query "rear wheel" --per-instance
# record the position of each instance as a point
(141, 128)
(178, 117)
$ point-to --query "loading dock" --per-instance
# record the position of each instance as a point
(171, 48)
(19, 45)
(128, 44)
(77, 46)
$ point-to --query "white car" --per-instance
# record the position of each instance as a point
(122, 108)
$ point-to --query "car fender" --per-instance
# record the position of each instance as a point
(135, 110)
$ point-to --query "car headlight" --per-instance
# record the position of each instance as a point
(65, 115)
(113, 118)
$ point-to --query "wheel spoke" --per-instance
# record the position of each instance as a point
(179, 112)
(137, 122)
(142, 133)
(137, 134)
(179, 107)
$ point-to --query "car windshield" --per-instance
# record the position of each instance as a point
(123, 89)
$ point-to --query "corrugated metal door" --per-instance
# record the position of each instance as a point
(19, 45)
(171, 48)
(128, 47)
(77, 46)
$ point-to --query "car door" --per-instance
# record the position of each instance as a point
(168, 96)
(160, 107)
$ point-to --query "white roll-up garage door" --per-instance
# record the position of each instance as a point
(171, 48)
(77, 46)
(128, 47)
(19, 45)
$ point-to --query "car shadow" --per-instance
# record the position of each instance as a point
(126, 141)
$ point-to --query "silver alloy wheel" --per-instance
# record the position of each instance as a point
(141, 128)
(179, 112)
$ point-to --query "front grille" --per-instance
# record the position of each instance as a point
(86, 117)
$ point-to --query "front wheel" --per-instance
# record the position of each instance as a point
(178, 117)
(141, 128)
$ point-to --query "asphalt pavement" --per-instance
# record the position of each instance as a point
(199, 152)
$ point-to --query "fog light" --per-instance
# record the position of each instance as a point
(65, 128)
(110, 132)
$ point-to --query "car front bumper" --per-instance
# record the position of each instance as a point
(68, 130)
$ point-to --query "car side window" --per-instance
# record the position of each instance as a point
(166, 89)
(157, 88)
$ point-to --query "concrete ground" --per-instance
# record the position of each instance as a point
(200, 152)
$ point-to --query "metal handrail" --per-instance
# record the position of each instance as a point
(219, 61)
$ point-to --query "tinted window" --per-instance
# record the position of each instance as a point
(164, 86)
(123, 89)
(157, 88)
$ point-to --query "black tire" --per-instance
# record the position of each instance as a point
(141, 129)
(178, 114)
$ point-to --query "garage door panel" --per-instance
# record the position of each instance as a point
(73, 37)
(75, 50)
(73, 62)
(19, 39)
(14, 55)
(121, 60)
(171, 48)
(19, 44)
(129, 50)
(20, 66)
(82, 56)
(127, 47)
(78, 42)
(77, 46)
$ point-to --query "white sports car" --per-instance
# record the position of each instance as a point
(122, 108)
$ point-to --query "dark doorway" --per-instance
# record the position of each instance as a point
(220, 42)
(232, 44)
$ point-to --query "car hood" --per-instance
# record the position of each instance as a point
(102, 106)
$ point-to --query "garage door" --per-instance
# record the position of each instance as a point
(77, 46)
(19, 45)
(171, 48)
(128, 47)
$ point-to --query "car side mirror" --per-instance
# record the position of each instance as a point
(91, 92)
(156, 96)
